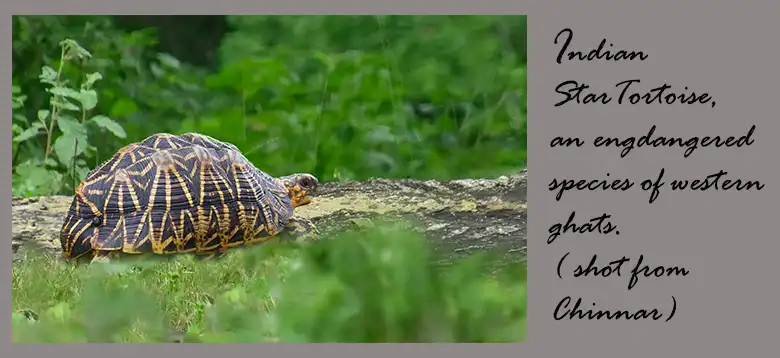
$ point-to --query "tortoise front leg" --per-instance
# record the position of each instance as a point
(300, 229)
(103, 256)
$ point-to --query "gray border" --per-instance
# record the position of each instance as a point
(724, 307)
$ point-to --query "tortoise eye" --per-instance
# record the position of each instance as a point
(306, 182)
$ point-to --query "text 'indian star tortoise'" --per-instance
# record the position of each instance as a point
(186, 193)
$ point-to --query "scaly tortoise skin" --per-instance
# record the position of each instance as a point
(188, 193)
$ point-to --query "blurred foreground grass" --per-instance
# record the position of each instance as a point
(374, 286)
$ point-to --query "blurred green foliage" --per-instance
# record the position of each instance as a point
(342, 97)
(375, 286)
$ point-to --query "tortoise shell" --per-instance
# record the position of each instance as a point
(175, 194)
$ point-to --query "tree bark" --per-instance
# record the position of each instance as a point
(458, 216)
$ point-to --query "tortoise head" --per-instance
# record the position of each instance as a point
(301, 187)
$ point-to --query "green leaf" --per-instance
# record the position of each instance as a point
(48, 75)
(50, 162)
(91, 79)
(66, 148)
(19, 117)
(157, 71)
(89, 99)
(28, 133)
(110, 125)
(328, 61)
(73, 49)
(65, 92)
(168, 60)
(82, 172)
(17, 101)
(43, 115)
(63, 103)
(68, 43)
(70, 126)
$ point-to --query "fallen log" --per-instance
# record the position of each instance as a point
(459, 216)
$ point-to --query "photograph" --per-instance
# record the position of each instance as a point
(269, 178)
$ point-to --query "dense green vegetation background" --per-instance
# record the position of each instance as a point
(342, 97)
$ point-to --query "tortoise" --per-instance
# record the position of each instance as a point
(188, 193)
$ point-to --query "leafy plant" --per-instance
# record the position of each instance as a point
(68, 118)
(342, 97)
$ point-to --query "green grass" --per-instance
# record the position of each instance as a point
(375, 286)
